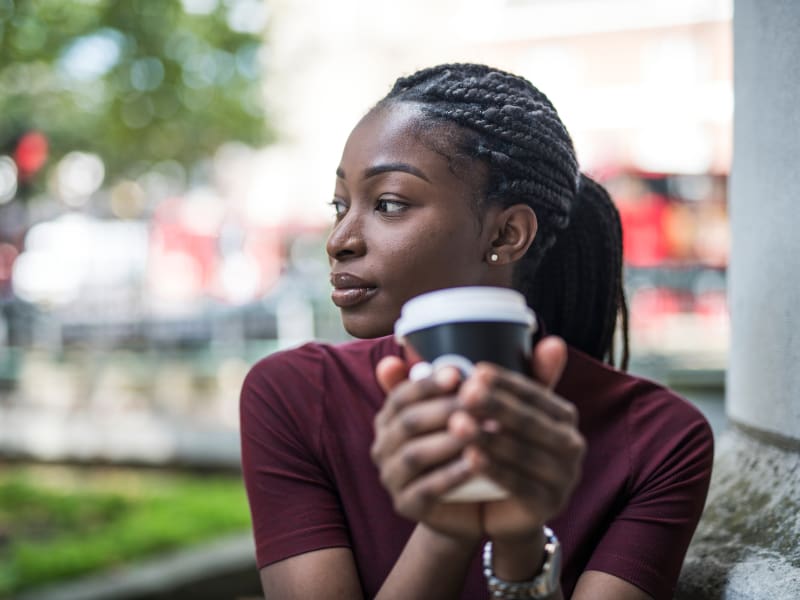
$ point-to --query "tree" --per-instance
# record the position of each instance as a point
(135, 82)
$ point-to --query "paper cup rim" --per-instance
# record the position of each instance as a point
(464, 304)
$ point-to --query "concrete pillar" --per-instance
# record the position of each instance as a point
(764, 376)
(748, 543)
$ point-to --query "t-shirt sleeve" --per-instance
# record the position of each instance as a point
(293, 503)
(671, 454)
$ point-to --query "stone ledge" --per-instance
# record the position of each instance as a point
(747, 545)
(224, 569)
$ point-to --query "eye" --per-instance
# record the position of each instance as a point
(339, 207)
(391, 207)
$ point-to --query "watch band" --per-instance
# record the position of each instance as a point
(541, 586)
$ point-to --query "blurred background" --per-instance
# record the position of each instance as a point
(165, 169)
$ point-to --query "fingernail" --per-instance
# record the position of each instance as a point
(446, 376)
(470, 393)
(462, 425)
(490, 426)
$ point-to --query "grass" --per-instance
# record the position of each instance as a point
(57, 523)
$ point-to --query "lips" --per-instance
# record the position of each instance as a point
(350, 290)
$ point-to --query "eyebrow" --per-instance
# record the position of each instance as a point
(387, 168)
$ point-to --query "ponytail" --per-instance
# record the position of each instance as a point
(577, 287)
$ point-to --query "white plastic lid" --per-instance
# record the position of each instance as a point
(464, 304)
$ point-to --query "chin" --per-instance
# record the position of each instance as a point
(364, 329)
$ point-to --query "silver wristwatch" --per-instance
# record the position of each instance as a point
(541, 586)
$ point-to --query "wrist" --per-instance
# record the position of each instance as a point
(519, 559)
(544, 584)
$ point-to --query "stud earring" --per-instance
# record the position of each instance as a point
(494, 257)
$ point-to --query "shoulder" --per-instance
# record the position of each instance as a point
(584, 375)
(647, 471)
(596, 386)
(290, 390)
(314, 355)
(648, 414)
(362, 352)
(306, 367)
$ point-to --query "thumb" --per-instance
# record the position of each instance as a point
(548, 360)
(390, 371)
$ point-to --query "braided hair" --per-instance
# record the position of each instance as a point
(572, 272)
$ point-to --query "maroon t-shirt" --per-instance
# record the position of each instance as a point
(306, 419)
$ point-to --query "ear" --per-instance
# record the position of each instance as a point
(513, 232)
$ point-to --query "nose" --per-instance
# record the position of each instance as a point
(346, 240)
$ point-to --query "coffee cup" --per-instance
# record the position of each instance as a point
(459, 327)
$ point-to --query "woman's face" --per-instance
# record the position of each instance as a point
(404, 223)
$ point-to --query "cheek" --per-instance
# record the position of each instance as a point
(453, 240)
(440, 253)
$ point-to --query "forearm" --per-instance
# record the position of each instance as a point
(432, 565)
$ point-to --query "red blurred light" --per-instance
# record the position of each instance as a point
(31, 154)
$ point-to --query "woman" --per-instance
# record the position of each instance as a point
(464, 175)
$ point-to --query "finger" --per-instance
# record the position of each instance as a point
(418, 456)
(426, 491)
(409, 392)
(390, 371)
(489, 385)
(546, 495)
(413, 421)
(463, 425)
(508, 416)
(548, 360)
(554, 466)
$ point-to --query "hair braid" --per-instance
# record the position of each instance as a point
(572, 273)
(577, 287)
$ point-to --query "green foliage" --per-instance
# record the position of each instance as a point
(136, 82)
(50, 531)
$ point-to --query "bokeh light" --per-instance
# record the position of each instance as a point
(92, 56)
(31, 153)
(147, 74)
(127, 199)
(78, 176)
(248, 16)
(199, 7)
(8, 179)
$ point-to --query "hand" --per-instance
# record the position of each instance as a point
(526, 439)
(429, 440)
(419, 458)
